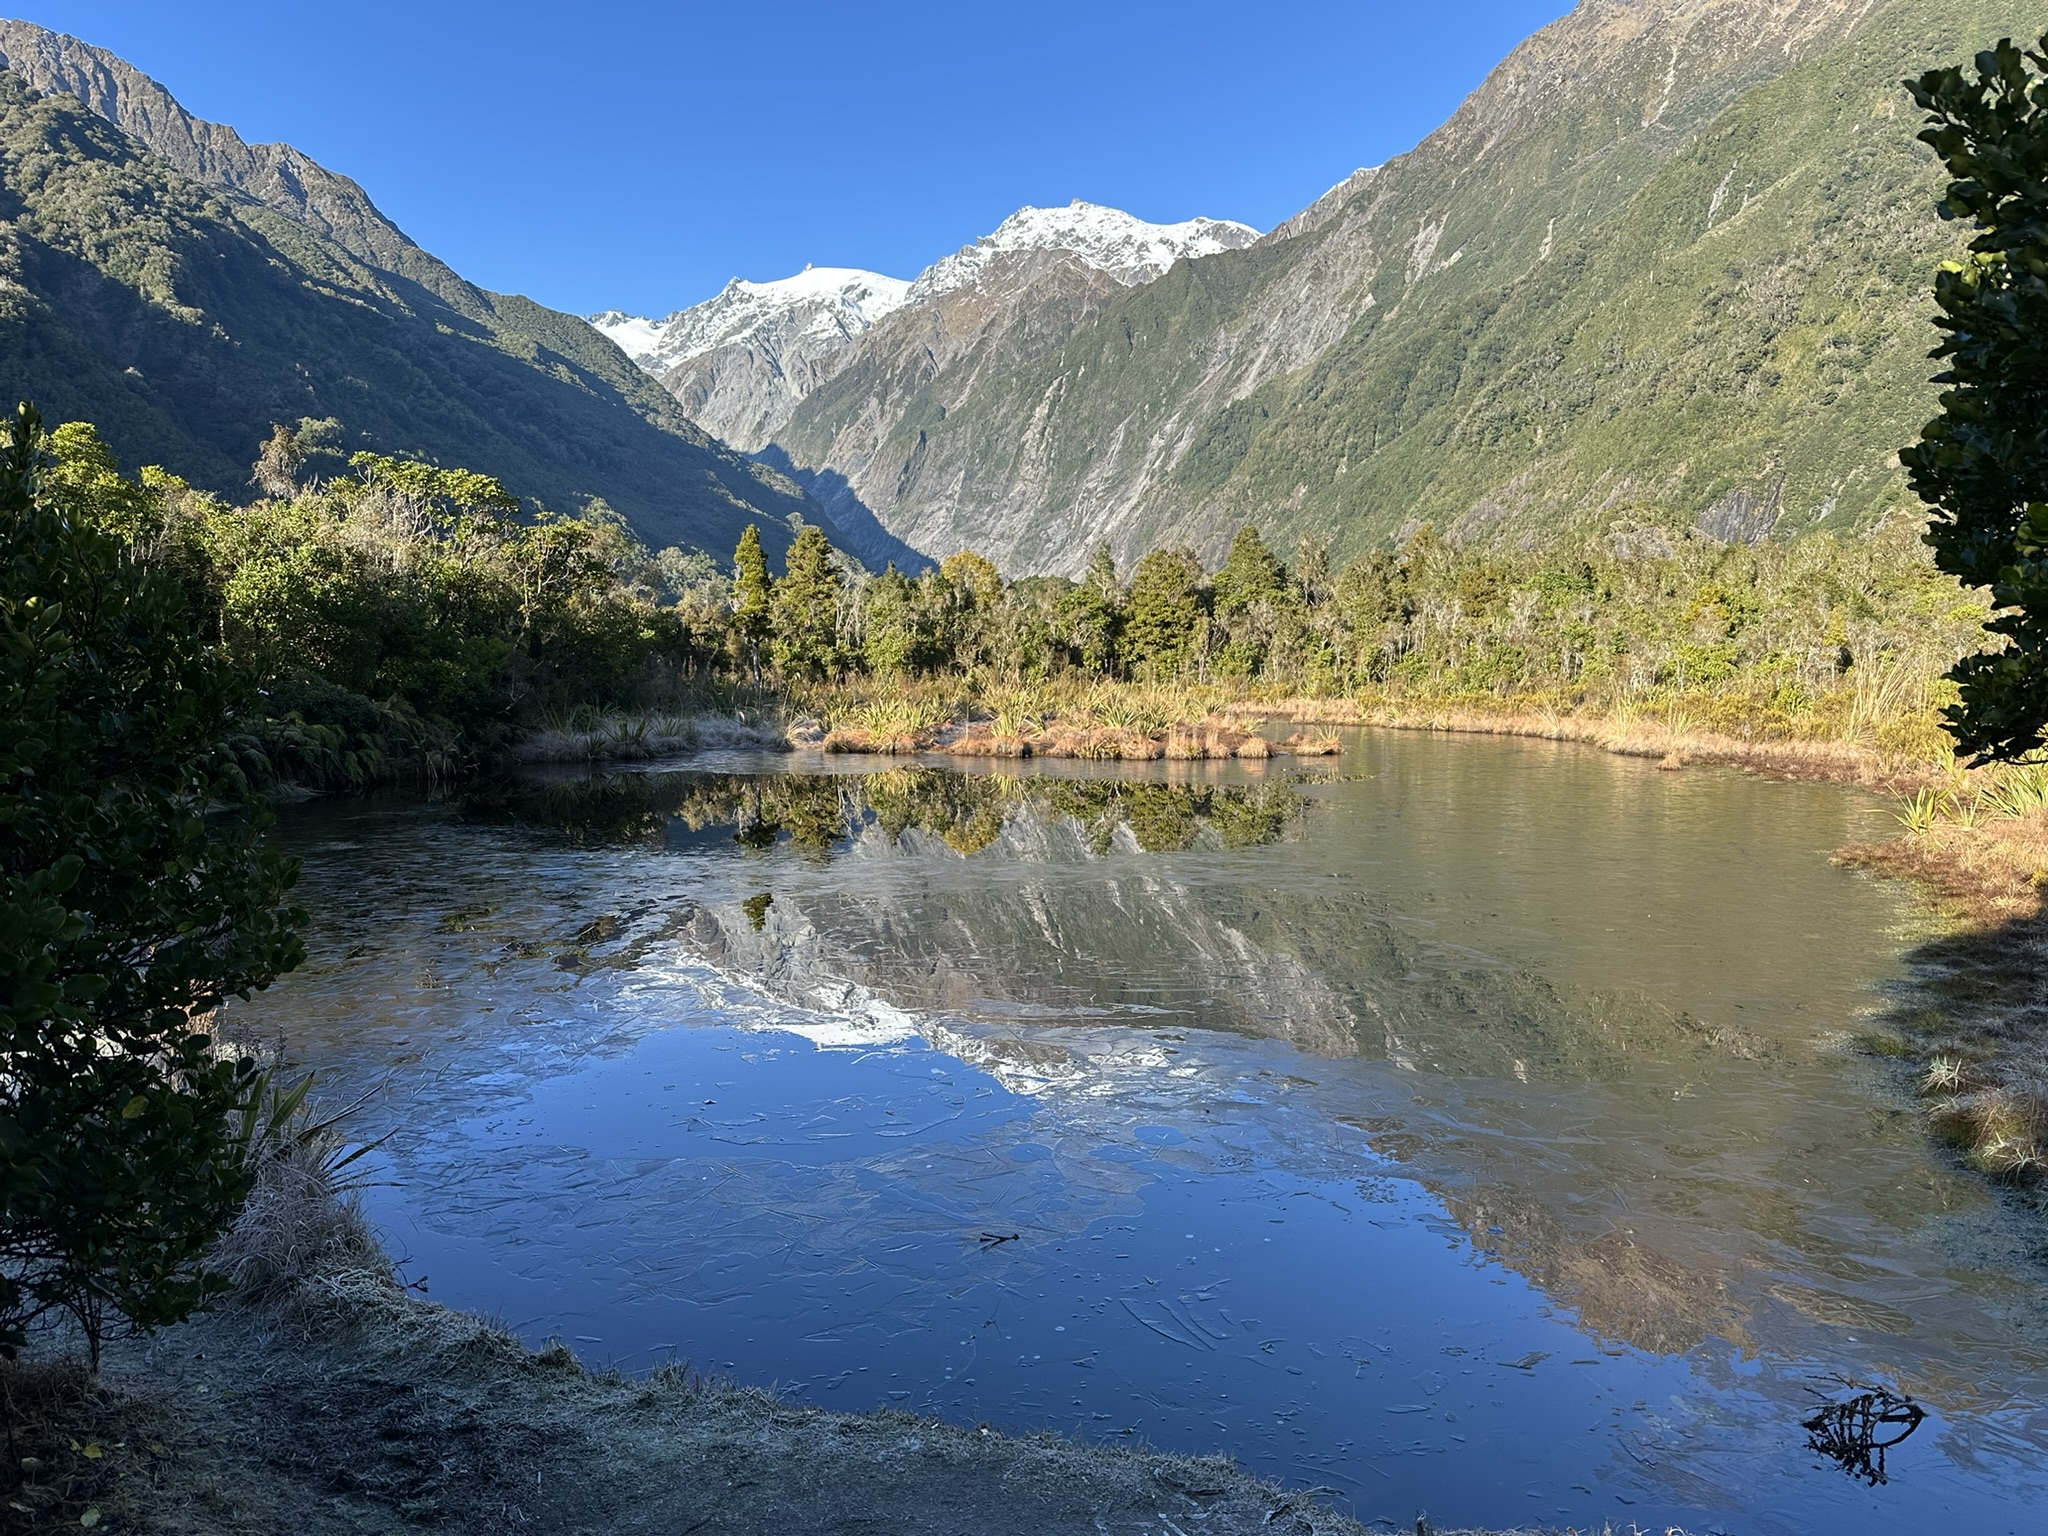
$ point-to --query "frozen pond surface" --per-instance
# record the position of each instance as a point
(1464, 1126)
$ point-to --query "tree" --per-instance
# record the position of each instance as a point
(966, 594)
(806, 608)
(974, 578)
(1165, 609)
(276, 470)
(1091, 614)
(135, 895)
(85, 482)
(1982, 464)
(1251, 573)
(895, 632)
(752, 599)
(1249, 588)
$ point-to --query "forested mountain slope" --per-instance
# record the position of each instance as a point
(1671, 259)
(185, 290)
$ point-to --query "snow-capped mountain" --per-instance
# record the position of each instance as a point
(742, 361)
(830, 305)
(1107, 239)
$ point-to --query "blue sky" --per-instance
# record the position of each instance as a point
(620, 152)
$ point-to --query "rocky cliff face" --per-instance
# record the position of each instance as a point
(185, 289)
(1669, 252)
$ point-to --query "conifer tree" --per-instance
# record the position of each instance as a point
(1251, 573)
(806, 608)
(1092, 614)
(1165, 610)
(751, 599)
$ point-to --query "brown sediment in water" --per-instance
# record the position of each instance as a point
(329, 1398)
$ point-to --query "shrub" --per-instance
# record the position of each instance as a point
(135, 894)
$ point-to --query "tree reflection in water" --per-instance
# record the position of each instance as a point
(819, 812)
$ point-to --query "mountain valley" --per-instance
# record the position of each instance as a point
(1667, 265)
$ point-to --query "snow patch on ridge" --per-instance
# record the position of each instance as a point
(1108, 239)
(637, 337)
(822, 309)
(819, 303)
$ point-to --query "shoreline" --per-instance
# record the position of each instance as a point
(1973, 1014)
(326, 1397)
(1222, 727)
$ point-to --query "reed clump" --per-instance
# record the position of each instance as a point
(990, 715)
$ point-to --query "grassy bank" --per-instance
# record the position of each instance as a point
(1975, 1014)
(327, 1397)
(1885, 736)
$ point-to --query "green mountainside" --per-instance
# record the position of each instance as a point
(185, 304)
(1671, 259)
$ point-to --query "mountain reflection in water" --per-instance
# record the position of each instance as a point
(1553, 1014)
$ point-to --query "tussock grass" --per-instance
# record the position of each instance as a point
(1675, 736)
(994, 715)
(1880, 727)
(300, 1235)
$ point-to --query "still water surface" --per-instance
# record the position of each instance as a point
(1466, 1127)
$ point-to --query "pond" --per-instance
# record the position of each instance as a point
(1462, 1126)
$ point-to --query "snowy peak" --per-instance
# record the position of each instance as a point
(638, 337)
(829, 305)
(1108, 239)
(742, 362)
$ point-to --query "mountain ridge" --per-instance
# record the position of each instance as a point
(1326, 380)
(186, 313)
(743, 362)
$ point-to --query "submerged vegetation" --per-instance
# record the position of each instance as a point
(1975, 1013)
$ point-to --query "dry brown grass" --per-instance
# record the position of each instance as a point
(1976, 1012)
(977, 716)
(301, 1245)
(1628, 735)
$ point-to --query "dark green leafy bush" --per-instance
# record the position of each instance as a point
(135, 895)
(1982, 464)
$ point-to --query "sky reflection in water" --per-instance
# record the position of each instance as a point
(1463, 1134)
